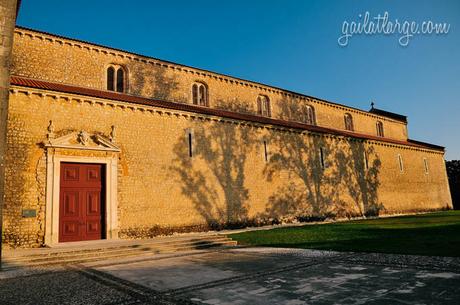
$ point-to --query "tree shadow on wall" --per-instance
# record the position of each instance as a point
(214, 177)
(156, 83)
(290, 109)
(358, 167)
(318, 188)
(235, 106)
(310, 191)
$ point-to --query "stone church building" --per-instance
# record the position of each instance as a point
(103, 143)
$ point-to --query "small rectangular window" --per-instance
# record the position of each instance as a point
(401, 165)
(366, 161)
(322, 158)
(265, 151)
(425, 163)
(189, 136)
(190, 146)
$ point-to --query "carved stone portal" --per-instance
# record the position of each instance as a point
(82, 140)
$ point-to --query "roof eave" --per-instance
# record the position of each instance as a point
(57, 87)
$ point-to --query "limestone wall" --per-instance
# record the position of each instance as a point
(227, 180)
(56, 59)
(8, 10)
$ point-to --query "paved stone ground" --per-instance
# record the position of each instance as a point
(243, 276)
(59, 286)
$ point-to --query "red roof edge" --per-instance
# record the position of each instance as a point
(433, 146)
(44, 85)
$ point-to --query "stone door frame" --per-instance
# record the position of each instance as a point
(80, 147)
(53, 174)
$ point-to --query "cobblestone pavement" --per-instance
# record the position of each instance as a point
(75, 286)
(244, 276)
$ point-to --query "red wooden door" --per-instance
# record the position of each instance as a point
(81, 208)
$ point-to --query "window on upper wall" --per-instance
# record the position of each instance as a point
(110, 78)
(322, 158)
(309, 116)
(401, 164)
(265, 151)
(120, 80)
(425, 163)
(200, 94)
(189, 137)
(263, 106)
(379, 126)
(116, 79)
(366, 160)
(348, 122)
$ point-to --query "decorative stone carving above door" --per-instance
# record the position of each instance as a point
(82, 140)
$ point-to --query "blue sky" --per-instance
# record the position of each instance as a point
(290, 44)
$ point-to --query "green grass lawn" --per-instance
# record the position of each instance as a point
(429, 234)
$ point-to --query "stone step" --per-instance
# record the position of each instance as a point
(64, 255)
(229, 243)
(9, 265)
(124, 249)
(70, 248)
(153, 248)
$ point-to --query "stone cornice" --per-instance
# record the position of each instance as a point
(174, 113)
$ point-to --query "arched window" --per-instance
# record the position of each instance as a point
(195, 94)
(110, 78)
(263, 106)
(116, 79)
(309, 115)
(348, 122)
(200, 94)
(379, 127)
(120, 80)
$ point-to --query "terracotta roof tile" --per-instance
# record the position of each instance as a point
(44, 85)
